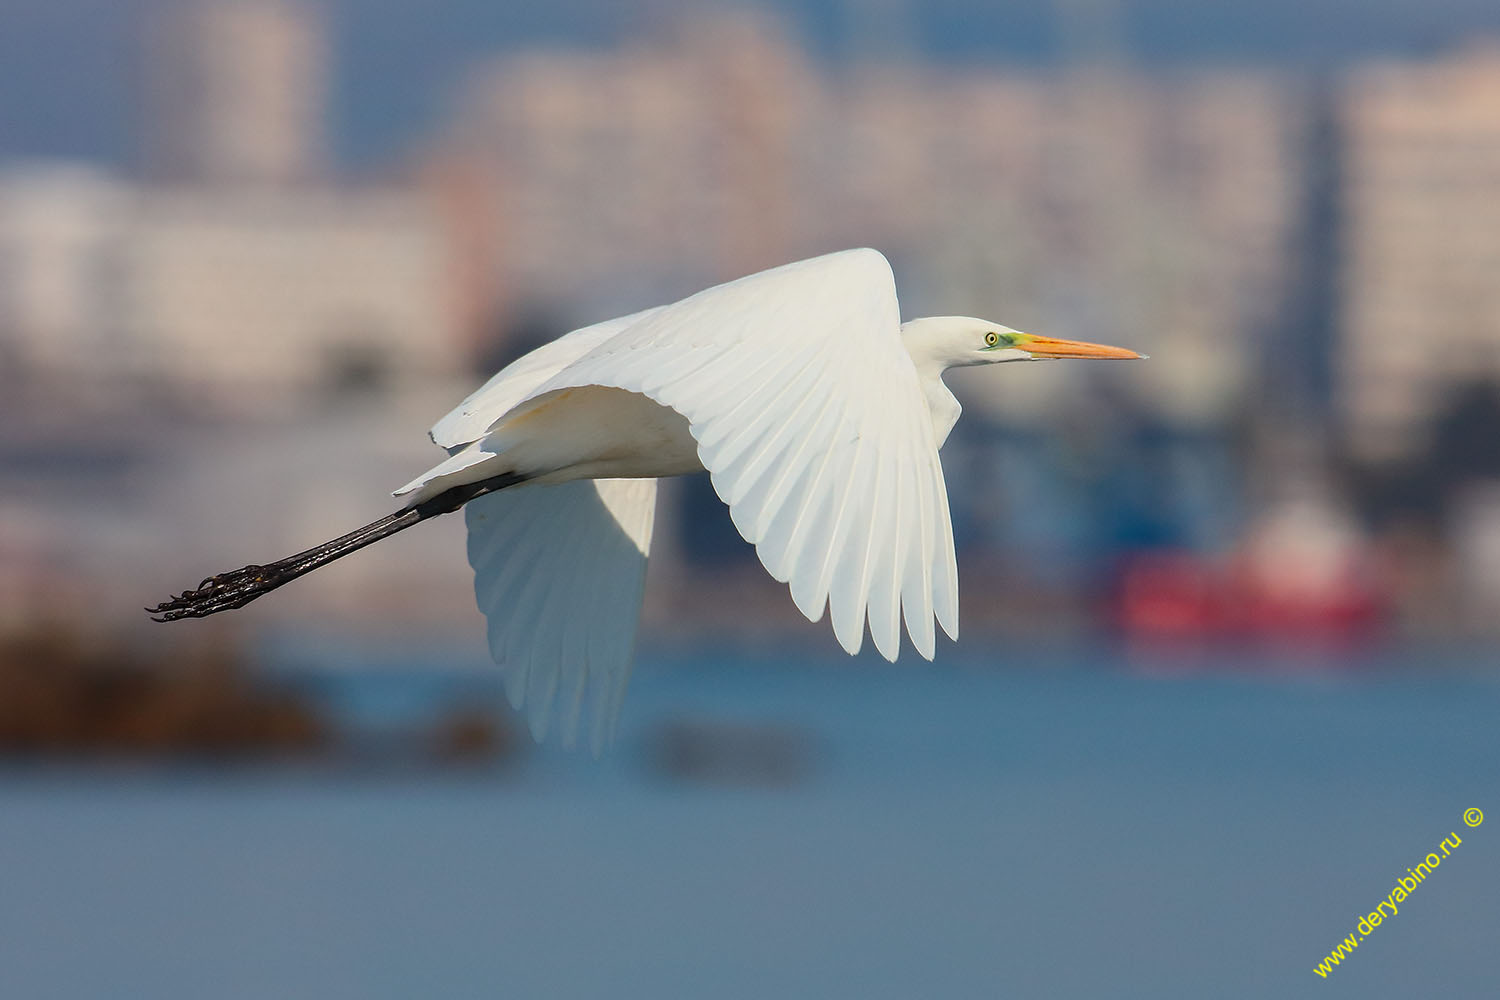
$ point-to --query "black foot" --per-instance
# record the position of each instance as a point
(224, 592)
(228, 591)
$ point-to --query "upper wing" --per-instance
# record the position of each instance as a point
(513, 383)
(809, 417)
(558, 573)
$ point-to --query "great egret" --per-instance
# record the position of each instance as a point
(817, 413)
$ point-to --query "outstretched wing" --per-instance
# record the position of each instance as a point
(558, 573)
(809, 416)
(513, 383)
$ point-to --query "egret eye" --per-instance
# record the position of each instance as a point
(991, 339)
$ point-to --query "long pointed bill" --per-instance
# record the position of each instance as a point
(1052, 347)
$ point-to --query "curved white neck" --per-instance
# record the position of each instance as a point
(942, 405)
(928, 342)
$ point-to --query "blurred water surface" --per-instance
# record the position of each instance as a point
(1070, 829)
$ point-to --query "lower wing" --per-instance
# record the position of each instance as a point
(559, 572)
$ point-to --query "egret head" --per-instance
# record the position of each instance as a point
(957, 341)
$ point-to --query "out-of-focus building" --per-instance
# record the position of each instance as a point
(658, 166)
(236, 92)
(1098, 204)
(237, 279)
(1476, 530)
(238, 271)
(1421, 278)
(1150, 211)
(308, 289)
(59, 233)
(238, 295)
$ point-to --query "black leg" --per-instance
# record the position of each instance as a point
(239, 587)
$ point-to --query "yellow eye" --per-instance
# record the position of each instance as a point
(991, 339)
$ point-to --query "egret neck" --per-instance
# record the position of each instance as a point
(937, 343)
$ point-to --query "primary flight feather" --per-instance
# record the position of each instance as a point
(817, 414)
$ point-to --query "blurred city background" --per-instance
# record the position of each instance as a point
(251, 249)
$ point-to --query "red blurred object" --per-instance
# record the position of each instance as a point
(1180, 595)
(1171, 595)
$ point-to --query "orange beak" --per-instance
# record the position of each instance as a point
(1052, 347)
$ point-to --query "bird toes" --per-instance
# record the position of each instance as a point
(223, 592)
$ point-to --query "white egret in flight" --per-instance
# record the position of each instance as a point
(817, 413)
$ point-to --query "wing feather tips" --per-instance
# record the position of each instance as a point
(893, 556)
(876, 518)
(916, 577)
(775, 503)
(842, 573)
(945, 561)
(883, 599)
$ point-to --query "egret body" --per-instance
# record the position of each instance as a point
(817, 414)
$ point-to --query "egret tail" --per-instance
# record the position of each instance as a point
(238, 588)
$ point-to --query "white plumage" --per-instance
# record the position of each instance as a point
(816, 412)
(805, 409)
(559, 572)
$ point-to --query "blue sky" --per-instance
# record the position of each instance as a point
(68, 67)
